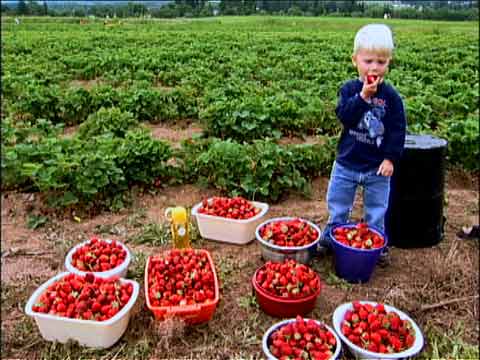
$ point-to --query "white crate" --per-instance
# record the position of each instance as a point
(120, 271)
(95, 334)
(227, 230)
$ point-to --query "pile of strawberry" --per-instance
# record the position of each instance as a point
(374, 329)
(359, 236)
(288, 279)
(231, 208)
(302, 340)
(98, 255)
(180, 277)
(289, 233)
(84, 297)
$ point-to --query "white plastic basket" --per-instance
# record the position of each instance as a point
(227, 230)
(120, 271)
(95, 334)
(360, 353)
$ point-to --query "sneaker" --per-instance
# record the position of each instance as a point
(384, 259)
(469, 232)
(324, 247)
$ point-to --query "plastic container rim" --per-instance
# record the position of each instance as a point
(262, 206)
(258, 288)
(350, 225)
(415, 349)
(295, 248)
(181, 308)
(277, 325)
(104, 274)
(112, 320)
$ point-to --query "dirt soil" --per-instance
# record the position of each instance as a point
(437, 286)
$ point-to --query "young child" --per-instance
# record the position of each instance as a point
(373, 135)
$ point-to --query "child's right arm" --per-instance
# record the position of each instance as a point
(351, 106)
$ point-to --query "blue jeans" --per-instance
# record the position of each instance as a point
(341, 194)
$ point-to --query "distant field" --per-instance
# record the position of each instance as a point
(238, 78)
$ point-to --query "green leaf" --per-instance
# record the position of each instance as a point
(36, 221)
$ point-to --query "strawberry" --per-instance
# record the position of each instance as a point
(232, 208)
(180, 278)
(358, 236)
(372, 328)
(98, 255)
(288, 279)
(373, 347)
(77, 297)
(289, 233)
(371, 79)
(310, 340)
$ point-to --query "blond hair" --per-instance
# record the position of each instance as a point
(374, 37)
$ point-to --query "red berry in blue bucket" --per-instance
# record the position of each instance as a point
(358, 236)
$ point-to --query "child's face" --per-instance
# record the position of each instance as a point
(371, 63)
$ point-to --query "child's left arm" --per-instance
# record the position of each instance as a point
(394, 139)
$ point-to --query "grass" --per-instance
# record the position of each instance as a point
(136, 269)
(448, 344)
(327, 273)
(247, 302)
(152, 234)
(155, 234)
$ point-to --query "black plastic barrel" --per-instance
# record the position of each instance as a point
(414, 217)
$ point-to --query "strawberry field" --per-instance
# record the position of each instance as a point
(104, 127)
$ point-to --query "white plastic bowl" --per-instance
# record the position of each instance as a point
(95, 334)
(360, 353)
(233, 231)
(276, 326)
(120, 271)
(272, 252)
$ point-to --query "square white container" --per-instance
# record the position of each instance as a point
(95, 334)
(229, 230)
(120, 271)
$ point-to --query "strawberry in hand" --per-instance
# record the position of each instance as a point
(371, 79)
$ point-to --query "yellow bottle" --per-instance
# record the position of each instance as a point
(179, 226)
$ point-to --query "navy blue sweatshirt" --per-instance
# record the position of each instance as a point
(371, 131)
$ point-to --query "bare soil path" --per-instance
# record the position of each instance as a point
(438, 286)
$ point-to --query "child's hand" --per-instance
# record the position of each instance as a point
(369, 89)
(385, 168)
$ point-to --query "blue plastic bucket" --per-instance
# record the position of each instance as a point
(355, 265)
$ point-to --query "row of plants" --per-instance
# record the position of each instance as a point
(73, 105)
(111, 152)
(244, 90)
(239, 86)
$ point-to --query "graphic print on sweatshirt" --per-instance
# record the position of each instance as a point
(372, 122)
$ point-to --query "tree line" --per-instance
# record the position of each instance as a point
(409, 9)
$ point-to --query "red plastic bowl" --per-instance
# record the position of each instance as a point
(280, 307)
